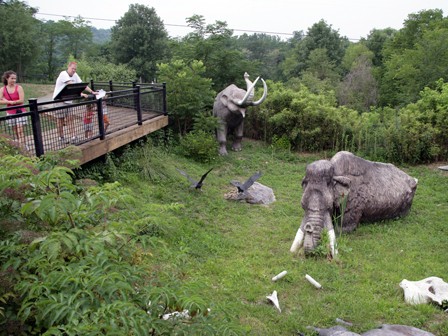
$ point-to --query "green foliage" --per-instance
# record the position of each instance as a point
(79, 277)
(19, 36)
(265, 51)
(415, 58)
(313, 122)
(199, 145)
(104, 71)
(319, 36)
(308, 120)
(189, 93)
(141, 25)
(215, 47)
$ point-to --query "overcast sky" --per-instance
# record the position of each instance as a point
(352, 18)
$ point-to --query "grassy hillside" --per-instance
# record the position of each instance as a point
(225, 252)
(36, 90)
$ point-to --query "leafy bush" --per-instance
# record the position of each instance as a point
(200, 146)
(82, 272)
(416, 133)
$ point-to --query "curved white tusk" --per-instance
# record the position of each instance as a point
(249, 90)
(298, 240)
(332, 238)
(265, 93)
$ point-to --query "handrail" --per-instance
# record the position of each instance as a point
(39, 123)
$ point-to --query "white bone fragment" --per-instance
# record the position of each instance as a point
(274, 299)
(313, 282)
(279, 276)
(184, 314)
(432, 289)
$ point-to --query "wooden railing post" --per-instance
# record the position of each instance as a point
(37, 129)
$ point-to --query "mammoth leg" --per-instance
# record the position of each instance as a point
(238, 138)
(221, 136)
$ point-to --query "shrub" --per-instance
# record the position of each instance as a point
(200, 146)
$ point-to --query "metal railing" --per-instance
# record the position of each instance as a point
(125, 105)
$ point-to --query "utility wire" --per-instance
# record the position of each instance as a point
(178, 25)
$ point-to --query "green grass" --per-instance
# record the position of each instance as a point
(226, 252)
(36, 90)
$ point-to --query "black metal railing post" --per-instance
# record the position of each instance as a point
(138, 104)
(36, 126)
(99, 105)
(164, 99)
(92, 85)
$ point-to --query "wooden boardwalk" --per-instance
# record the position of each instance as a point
(121, 131)
(134, 111)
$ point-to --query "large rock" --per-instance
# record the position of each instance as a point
(256, 194)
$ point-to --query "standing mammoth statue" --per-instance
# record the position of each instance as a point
(355, 189)
(230, 109)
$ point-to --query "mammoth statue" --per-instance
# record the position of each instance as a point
(363, 190)
(230, 108)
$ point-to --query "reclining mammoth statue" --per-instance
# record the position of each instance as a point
(363, 190)
(230, 108)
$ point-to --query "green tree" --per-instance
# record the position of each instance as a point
(139, 39)
(319, 36)
(266, 50)
(321, 75)
(415, 57)
(189, 93)
(411, 70)
(359, 88)
(76, 36)
(376, 40)
(51, 57)
(19, 37)
(214, 45)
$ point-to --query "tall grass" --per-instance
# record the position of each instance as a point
(226, 252)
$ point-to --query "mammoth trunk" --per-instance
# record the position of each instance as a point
(312, 228)
(309, 233)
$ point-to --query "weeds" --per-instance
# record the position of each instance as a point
(168, 248)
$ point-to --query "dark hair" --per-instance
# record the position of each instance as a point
(6, 75)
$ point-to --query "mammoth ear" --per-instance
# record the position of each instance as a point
(224, 100)
(341, 188)
(227, 101)
(343, 180)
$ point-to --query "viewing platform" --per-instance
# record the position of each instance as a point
(132, 110)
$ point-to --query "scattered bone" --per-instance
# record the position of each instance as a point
(274, 299)
(279, 276)
(183, 314)
(432, 289)
(313, 282)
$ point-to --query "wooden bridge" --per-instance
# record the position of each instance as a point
(134, 110)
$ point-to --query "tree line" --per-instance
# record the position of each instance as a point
(378, 78)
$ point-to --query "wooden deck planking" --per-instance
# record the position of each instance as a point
(122, 130)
